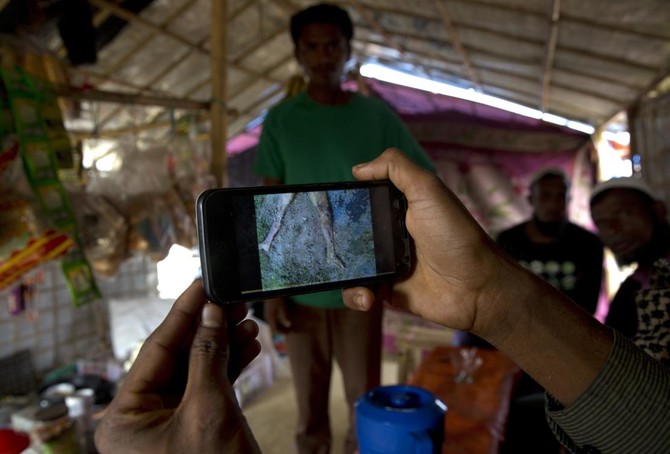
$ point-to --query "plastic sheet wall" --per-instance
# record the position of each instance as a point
(649, 124)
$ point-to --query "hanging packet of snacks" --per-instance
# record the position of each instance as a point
(143, 191)
(27, 99)
(103, 231)
(26, 240)
(189, 162)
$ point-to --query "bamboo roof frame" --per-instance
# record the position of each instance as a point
(451, 42)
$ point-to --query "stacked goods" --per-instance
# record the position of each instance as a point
(38, 223)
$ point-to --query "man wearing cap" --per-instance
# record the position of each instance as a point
(633, 224)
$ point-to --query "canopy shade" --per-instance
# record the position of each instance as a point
(585, 61)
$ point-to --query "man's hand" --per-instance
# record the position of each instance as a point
(275, 312)
(456, 261)
(463, 280)
(178, 396)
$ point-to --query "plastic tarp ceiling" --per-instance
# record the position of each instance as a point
(581, 60)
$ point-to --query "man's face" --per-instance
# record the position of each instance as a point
(548, 197)
(625, 222)
(322, 50)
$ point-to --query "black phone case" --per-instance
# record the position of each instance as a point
(220, 259)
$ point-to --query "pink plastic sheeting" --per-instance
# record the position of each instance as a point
(243, 142)
(457, 118)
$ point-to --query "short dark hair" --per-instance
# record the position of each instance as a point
(322, 13)
(549, 173)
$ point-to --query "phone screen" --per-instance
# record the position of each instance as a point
(283, 242)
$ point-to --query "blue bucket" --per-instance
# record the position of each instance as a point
(400, 419)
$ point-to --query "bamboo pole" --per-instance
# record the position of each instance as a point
(119, 132)
(549, 54)
(218, 125)
(457, 43)
(130, 98)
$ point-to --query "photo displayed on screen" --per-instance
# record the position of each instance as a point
(314, 237)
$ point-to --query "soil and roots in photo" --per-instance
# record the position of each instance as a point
(314, 237)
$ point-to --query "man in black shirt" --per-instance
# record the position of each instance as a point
(570, 258)
(562, 253)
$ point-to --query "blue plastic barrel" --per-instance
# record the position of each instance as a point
(400, 419)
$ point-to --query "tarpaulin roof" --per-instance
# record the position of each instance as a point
(455, 117)
(584, 60)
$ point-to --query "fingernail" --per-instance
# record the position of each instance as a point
(360, 166)
(358, 300)
(211, 316)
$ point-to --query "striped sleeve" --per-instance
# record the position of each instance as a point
(625, 410)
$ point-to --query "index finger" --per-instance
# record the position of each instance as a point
(158, 356)
(394, 165)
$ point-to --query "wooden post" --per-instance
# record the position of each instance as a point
(218, 127)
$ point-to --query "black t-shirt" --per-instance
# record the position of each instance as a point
(573, 263)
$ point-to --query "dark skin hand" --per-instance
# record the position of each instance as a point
(463, 280)
(178, 396)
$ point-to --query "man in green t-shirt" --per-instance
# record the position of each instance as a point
(316, 137)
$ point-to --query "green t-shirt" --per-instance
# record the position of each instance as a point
(307, 142)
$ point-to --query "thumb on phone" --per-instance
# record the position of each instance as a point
(276, 314)
(210, 413)
(210, 354)
(282, 314)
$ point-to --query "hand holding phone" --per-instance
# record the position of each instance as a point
(272, 241)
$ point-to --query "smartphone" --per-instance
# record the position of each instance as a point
(271, 241)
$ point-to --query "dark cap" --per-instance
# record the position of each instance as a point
(634, 183)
